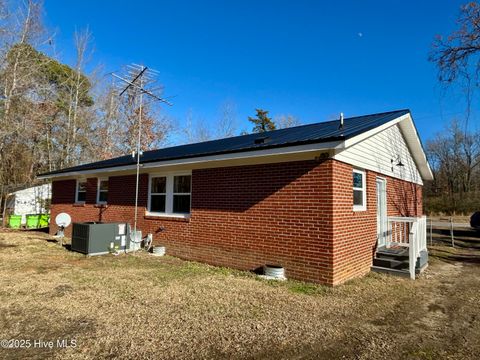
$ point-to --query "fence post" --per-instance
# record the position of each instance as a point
(431, 232)
(451, 231)
(412, 259)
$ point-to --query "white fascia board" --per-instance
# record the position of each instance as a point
(356, 139)
(405, 122)
(211, 159)
(410, 134)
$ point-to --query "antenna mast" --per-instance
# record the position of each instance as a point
(139, 80)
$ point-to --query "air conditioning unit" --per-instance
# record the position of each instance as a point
(97, 238)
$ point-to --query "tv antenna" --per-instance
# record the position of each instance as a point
(139, 81)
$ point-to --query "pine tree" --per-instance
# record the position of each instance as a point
(262, 122)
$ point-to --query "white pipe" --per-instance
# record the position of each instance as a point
(138, 157)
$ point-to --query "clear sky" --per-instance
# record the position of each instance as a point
(311, 59)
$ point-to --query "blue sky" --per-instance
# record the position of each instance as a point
(311, 59)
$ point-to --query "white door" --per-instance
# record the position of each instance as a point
(381, 212)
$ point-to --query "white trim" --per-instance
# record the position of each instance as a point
(363, 189)
(98, 190)
(76, 191)
(414, 144)
(410, 134)
(165, 215)
(168, 194)
(150, 178)
(382, 222)
(367, 134)
(211, 158)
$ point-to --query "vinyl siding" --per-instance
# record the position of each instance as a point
(377, 152)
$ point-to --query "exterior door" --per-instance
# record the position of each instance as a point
(381, 212)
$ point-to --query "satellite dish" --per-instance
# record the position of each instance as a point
(63, 220)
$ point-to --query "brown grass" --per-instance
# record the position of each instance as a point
(464, 219)
(140, 306)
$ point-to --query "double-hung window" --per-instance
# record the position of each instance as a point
(170, 194)
(158, 194)
(81, 191)
(102, 191)
(181, 194)
(359, 190)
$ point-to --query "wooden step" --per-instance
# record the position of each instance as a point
(390, 263)
(396, 272)
(399, 272)
(398, 253)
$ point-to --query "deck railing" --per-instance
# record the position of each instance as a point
(409, 232)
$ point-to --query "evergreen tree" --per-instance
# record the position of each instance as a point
(262, 122)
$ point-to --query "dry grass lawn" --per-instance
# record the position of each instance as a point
(140, 306)
(456, 219)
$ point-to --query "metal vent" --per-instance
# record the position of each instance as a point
(262, 140)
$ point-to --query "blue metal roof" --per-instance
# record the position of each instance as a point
(298, 135)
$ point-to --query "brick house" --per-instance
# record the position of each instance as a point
(319, 199)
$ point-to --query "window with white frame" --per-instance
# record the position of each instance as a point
(81, 193)
(102, 191)
(359, 190)
(170, 194)
(158, 194)
(181, 194)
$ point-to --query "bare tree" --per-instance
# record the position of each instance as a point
(108, 123)
(19, 79)
(196, 129)
(455, 158)
(454, 153)
(48, 112)
(79, 86)
(24, 28)
(458, 54)
(286, 121)
(227, 123)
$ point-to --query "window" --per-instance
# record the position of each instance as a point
(170, 194)
(102, 191)
(81, 193)
(359, 191)
(158, 194)
(181, 194)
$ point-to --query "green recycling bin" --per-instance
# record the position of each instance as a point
(32, 221)
(44, 220)
(15, 221)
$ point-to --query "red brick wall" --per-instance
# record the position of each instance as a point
(355, 232)
(291, 214)
(243, 217)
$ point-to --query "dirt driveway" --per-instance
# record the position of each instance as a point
(139, 306)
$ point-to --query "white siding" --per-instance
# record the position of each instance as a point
(377, 152)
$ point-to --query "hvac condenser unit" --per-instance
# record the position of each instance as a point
(97, 238)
